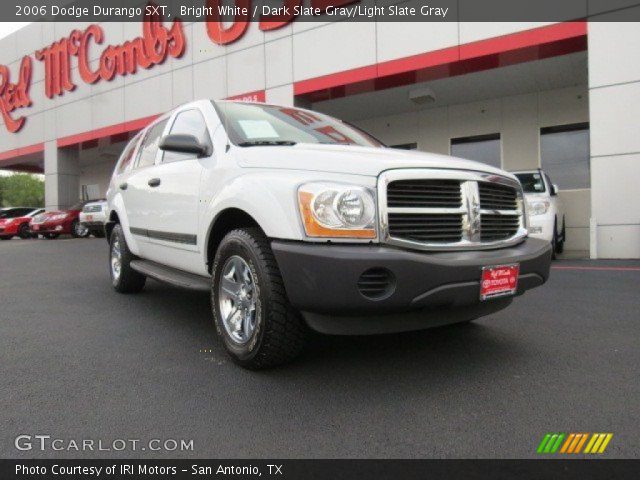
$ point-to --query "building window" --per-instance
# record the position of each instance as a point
(481, 148)
(564, 155)
(406, 146)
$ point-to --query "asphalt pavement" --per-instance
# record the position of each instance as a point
(79, 361)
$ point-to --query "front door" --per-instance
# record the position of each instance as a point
(172, 197)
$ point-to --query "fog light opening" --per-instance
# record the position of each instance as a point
(377, 283)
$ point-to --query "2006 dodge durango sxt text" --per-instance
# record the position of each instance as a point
(292, 219)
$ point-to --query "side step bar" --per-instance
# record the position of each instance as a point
(170, 275)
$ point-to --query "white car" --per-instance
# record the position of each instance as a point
(93, 217)
(544, 209)
(291, 220)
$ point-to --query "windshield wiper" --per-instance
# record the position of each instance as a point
(260, 143)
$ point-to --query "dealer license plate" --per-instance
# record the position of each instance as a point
(499, 281)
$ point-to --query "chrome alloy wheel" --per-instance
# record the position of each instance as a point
(116, 259)
(237, 300)
(81, 230)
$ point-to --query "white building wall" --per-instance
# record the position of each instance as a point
(614, 91)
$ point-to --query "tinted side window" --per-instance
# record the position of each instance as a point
(149, 146)
(127, 154)
(189, 122)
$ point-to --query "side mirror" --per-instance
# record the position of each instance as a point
(183, 144)
(554, 189)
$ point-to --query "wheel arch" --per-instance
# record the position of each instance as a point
(110, 224)
(227, 220)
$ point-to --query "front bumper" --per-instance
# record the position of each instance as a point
(541, 226)
(430, 288)
(41, 228)
(95, 226)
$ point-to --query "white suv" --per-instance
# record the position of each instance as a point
(544, 209)
(291, 219)
(93, 216)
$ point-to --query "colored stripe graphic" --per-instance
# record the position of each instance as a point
(598, 443)
(573, 443)
(551, 442)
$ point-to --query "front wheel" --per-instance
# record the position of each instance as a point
(123, 278)
(24, 232)
(78, 230)
(258, 326)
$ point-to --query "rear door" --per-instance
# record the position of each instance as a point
(175, 199)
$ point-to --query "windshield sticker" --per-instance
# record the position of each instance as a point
(258, 129)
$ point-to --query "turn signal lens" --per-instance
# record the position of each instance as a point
(337, 211)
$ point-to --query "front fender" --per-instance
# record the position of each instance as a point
(269, 196)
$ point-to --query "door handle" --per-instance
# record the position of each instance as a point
(123, 186)
(154, 182)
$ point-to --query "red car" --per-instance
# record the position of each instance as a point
(55, 223)
(15, 221)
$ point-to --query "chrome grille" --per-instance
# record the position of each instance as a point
(498, 227)
(494, 196)
(449, 210)
(424, 193)
(425, 227)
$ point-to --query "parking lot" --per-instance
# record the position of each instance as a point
(80, 361)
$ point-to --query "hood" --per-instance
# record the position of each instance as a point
(535, 196)
(353, 160)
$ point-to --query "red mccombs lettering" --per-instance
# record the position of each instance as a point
(152, 48)
(156, 44)
(15, 95)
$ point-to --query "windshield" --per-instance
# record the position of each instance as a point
(250, 124)
(15, 212)
(531, 182)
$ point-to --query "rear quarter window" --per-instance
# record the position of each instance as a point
(127, 155)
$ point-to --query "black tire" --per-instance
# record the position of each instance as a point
(98, 234)
(50, 236)
(561, 238)
(74, 230)
(24, 232)
(128, 281)
(279, 333)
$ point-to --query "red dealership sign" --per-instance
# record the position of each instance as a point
(153, 47)
(15, 95)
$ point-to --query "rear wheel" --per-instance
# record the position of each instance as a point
(258, 326)
(23, 231)
(123, 278)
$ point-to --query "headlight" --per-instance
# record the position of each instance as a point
(537, 207)
(337, 210)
